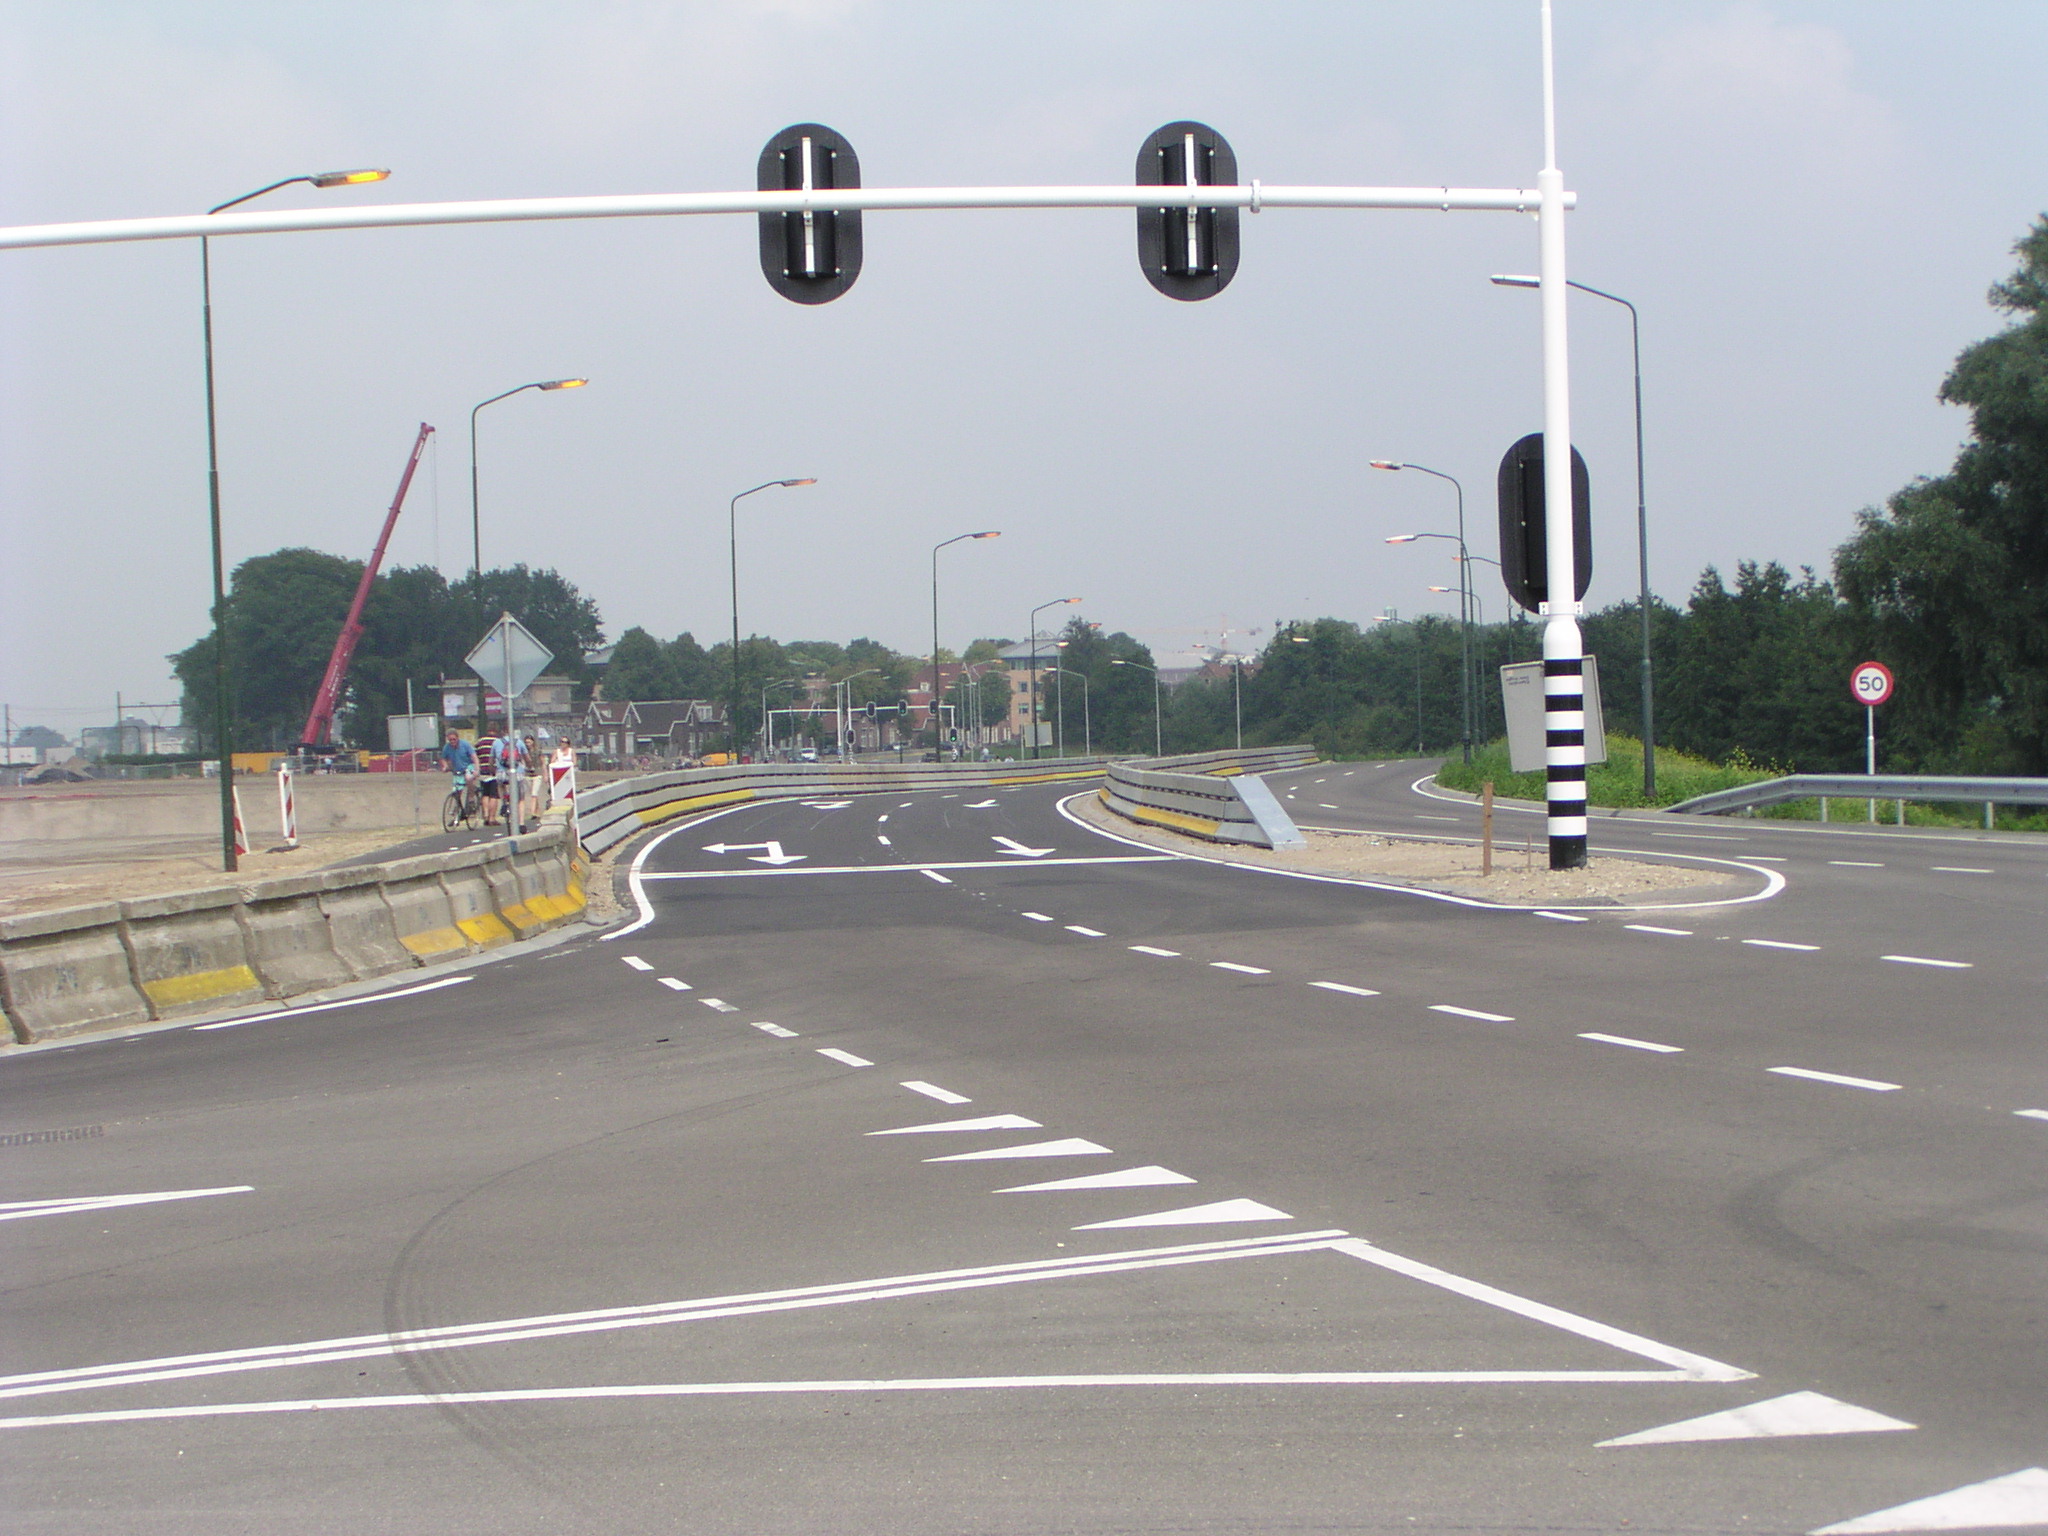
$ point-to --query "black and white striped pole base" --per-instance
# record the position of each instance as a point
(1564, 741)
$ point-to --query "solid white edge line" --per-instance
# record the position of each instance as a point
(1870, 1083)
(1640, 1045)
(346, 1002)
(896, 869)
(1773, 881)
(634, 870)
(76, 1204)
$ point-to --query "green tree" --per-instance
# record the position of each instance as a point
(641, 668)
(1949, 583)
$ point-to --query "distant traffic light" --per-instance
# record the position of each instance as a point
(1187, 253)
(871, 709)
(811, 257)
(1524, 561)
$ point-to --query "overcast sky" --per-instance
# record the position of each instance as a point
(1806, 198)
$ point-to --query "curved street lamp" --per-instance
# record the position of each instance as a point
(1635, 341)
(1032, 629)
(476, 547)
(1087, 729)
(223, 725)
(1158, 734)
(732, 536)
(1465, 604)
(993, 533)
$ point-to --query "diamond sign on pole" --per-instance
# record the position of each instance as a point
(510, 657)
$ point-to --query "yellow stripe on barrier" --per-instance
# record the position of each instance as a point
(1048, 778)
(523, 918)
(201, 986)
(435, 941)
(673, 808)
(1178, 820)
(488, 930)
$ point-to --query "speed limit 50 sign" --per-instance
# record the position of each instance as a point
(1871, 683)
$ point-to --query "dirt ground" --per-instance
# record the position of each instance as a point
(1518, 878)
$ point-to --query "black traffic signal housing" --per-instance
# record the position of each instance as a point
(871, 709)
(811, 257)
(1187, 253)
(1524, 564)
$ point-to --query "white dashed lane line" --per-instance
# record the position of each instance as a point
(1835, 1077)
(776, 1030)
(1338, 986)
(1639, 1045)
(1086, 933)
(674, 984)
(1036, 917)
(933, 1091)
(636, 962)
(883, 841)
(1471, 1013)
(2032, 1114)
(1960, 869)
(1780, 944)
(933, 874)
(1946, 965)
(1855, 864)
(845, 1058)
(719, 1003)
(1231, 965)
(1164, 954)
(1564, 917)
(1676, 933)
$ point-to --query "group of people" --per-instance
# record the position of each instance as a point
(496, 765)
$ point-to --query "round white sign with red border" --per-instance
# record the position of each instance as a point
(1871, 683)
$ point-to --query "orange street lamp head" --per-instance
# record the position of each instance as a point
(346, 178)
(808, 480)
(1387, 464)
(565, 384)
(993, 533)
(1404, 538)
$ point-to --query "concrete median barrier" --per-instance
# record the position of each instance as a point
(1217, 796)
(191, 951)
(63, 973)
(362, 923)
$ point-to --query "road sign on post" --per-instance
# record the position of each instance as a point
(1872, 683)
(813, 256)
(1187, 252)
(1524, 528)
(511, 657)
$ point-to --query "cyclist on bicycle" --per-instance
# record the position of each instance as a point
(459, 757)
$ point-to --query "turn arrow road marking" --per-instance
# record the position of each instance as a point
(771, 852)
(1011, 845)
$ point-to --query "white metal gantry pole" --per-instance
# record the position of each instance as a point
(1564, 661)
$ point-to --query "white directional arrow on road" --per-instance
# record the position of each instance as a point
(830, 805)
(1011, 845)
(771, 852)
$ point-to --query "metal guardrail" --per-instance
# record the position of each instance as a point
(1860, 786)
(1184, 794)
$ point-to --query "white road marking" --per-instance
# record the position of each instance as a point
(1780, 944)
(719, 1003)
(1086, 933)
(883, 841)
(826, 805)
(777, 1031)
(933, 874)
(636, 962)
(2032, 1114)
(1834, 1077)
(1164, 954)
(1322, 807)
(1702, 837)
(845, 1058)
(983, 1123)
(933, 1091)
(1796, 1413)
(1680, 1365)
(1947, 965)
(2019, 1498)
(883, 817)
(71, 1205)
(1319, 781)
(1640, 1045)
(1127, 1178)
(1036, 917)
(1855, 864)
(1420, 816)
(1960, 869)
(346, 1002)
(1012, 846)
(979, 805)
(1070, 1146)
(1676, 933)
(1766, 858)
(673, 984)
(1564, 917)
(1338, 986)
(898, 869)
(906, 805)
(1195, 1216)
(1232, 965)
(1471, 1013)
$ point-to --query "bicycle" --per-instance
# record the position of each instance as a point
(463, 807)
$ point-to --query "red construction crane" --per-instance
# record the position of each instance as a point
(319, 732)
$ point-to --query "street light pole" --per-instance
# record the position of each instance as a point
(1158, 734)
(767, 736)
(223, 721)
(476, 543)
(732, 535)
(1087, 729)
(1635, 342)
(993, 533)
(1464, 589)
(1032, 629)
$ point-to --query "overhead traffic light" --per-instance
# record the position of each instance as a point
(1524, 561)
(810, 257)
(1187, 253)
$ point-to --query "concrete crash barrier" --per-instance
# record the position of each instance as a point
(1215, 796)
(99, 967)
(63, 973)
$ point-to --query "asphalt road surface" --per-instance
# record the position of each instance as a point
(934, 1163)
